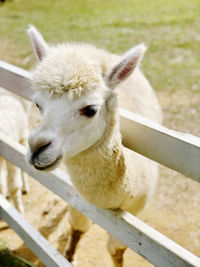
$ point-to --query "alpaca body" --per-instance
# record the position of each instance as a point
(13, 118)
(14, 123)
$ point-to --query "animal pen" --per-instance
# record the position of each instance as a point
(149, 139)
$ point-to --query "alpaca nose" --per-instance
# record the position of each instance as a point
(38, 150)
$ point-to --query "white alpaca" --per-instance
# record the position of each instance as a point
(75, 90)
(14, 123)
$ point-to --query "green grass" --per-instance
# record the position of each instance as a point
(171, 28)
(8, 259)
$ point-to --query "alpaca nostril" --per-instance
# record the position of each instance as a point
(39, 149)
(37, 144)
(42, 147)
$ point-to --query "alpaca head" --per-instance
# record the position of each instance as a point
(74, 98)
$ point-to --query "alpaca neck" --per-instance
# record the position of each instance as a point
(98, 172)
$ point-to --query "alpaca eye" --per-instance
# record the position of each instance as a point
(38, 106)
(89, 111)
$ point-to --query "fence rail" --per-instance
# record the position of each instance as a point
(155, 247)
(39, 245)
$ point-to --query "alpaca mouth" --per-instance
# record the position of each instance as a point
(49, 167)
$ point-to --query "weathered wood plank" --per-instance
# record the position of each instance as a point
(178, 151)
(143, 239)
(37, 243)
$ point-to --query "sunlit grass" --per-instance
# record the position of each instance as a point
(171, 28)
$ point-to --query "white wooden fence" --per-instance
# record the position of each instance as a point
(177, 151)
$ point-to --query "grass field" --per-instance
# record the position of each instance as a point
(171, 28)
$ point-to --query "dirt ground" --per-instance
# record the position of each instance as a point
(174, 209)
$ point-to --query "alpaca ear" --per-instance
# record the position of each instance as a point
(126, 66)
(39, 45)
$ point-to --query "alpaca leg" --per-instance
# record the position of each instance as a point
(3, 177)
(116, 250)
(79, 225)
(15, 186)
(25, 188)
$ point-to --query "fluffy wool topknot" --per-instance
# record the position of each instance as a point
(69, 69)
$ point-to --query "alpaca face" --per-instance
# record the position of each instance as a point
(66, 129)
(74, 99)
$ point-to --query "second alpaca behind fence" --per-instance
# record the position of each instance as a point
(76, 89)
(14, 123)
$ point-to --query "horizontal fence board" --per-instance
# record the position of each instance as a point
(178, 151)
(16, 80)
(144, 240)
(37, 243)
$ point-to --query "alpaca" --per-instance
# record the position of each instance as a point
(76, 90)
(14, 123)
